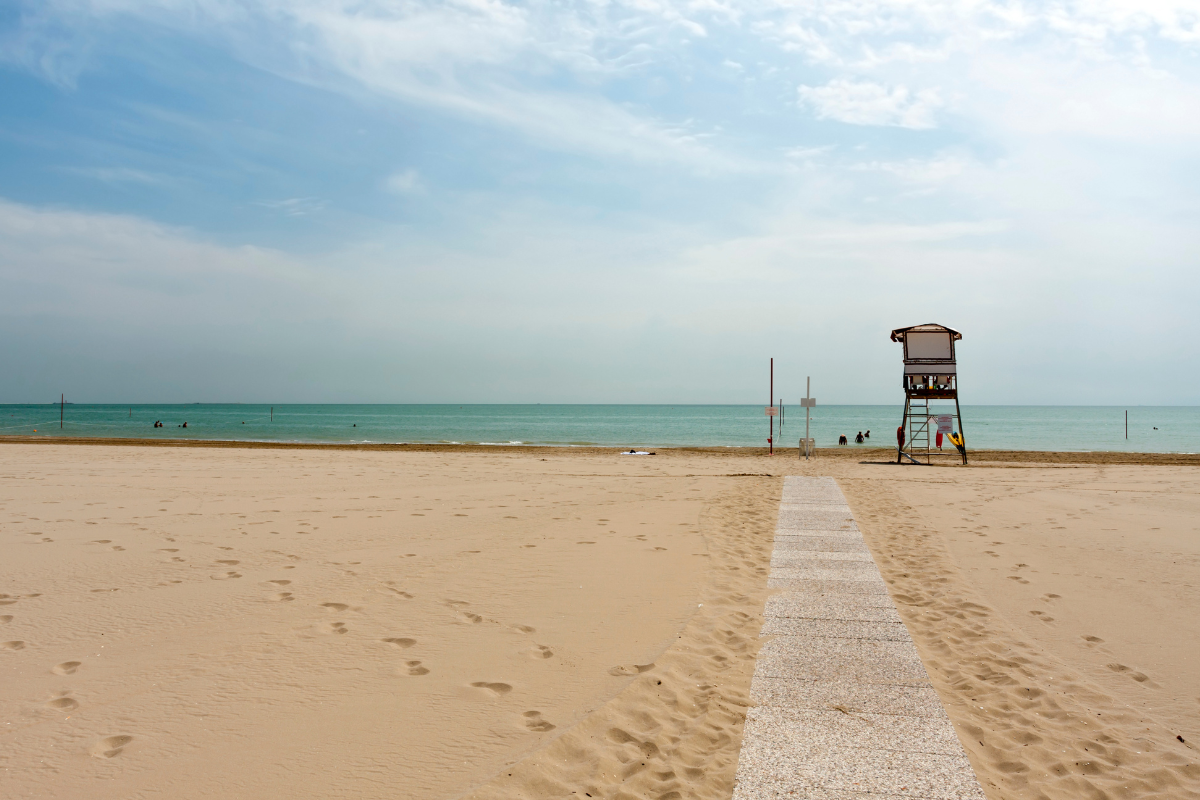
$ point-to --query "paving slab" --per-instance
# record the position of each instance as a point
(836, 629)
(849, 542)
(861, 660)
(832, 605)
(871, 698)
(867, 772)
(844, 706)
(784, 556)
(790, 579)
(808, 731)
(799, 519)
(812, 570)
(805, 534)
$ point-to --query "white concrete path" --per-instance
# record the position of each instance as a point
(844, 708)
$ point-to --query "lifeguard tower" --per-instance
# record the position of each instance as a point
(930, 373)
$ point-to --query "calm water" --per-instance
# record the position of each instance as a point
(999, 427)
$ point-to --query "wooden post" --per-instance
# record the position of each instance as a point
(771, 438)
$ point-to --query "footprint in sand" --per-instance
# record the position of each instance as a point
(540, 651)
(1017, 578)
(335, 606)
(398, 593)
(630, 669)
(337, 627)
(524, 628)
(231, 562)
(283, 597)
(585, 543)
(7, 600)
(66, 668)
(415, 668)
(497, 689)
(401, 642)
(280, 583)
(1093, 639)
(110, 746)
(226, 577)
(63, 703)
(534, 722)
(1043, 616)
(13, 645)
(1124, 670)
(5, 619)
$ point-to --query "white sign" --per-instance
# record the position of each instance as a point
(772, 411)
(945, 423)
(808, 402)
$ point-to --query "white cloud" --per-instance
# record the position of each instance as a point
(918, 170)
(406, 181)
(117, 175)
(295, 206)
(118, 268)
(865, 103)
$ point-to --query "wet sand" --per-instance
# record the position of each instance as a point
(530, 622)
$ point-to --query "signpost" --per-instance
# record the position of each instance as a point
(808, 403)
(772, 412)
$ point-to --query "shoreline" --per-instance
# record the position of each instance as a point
(865, 454)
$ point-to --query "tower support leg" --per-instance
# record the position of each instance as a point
(961, 432)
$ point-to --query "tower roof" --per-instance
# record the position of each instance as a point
(929, 327)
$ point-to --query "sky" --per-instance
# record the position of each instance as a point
(600, 201)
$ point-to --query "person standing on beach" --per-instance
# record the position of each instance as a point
(899, 442)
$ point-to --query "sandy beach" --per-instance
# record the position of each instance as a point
(434, 622)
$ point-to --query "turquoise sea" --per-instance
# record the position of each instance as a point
(1151, 429)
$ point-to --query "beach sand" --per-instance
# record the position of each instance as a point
(534, 622)
(1057, 610)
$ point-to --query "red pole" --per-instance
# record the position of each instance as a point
(771, 438)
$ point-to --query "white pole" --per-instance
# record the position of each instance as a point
(807, 413)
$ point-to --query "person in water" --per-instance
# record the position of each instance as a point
(842, 439)
(867, 435)
(858, 439)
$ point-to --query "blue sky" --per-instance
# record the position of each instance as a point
(642, 201)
